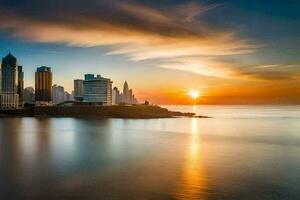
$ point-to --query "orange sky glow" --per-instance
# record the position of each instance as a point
(165, 52)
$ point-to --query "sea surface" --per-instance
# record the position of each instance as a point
(243, 152)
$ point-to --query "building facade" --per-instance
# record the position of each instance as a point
(125, 96)
(68, 96)
(28, 95)
(20, 84)
(97, 89)
(43, 85)
(116, 96)
(9, 83)
(58, 93)
(78, 90)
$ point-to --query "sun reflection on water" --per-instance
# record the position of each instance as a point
(193, 181)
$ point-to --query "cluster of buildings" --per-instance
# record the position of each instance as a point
(127, 97)
(45, 92)
(92, 90)
(98, 90)
(59, 95)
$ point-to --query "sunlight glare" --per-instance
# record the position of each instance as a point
(194, 94)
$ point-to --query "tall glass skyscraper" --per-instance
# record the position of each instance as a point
(9, 83)
(9, 75)
(20, 83)
(43, 85)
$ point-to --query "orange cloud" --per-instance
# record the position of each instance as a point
(138, 31)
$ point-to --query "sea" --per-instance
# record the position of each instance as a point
(241, 152)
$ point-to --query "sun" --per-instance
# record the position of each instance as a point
(194, 94)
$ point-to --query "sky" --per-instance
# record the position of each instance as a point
(230, 51)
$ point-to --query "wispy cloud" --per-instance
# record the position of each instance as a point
(175, 34)
(270, 72)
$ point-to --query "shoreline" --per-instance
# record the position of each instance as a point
(83, 111)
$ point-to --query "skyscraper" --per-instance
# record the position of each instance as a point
(78, 89)
(20, 84)
(125, 97)
(68, 96)
(97, 90)
(9, 74)
(9, 82)
(28, 95)
(43, 85)
(58, 93)
(130, 96)
(116, 96)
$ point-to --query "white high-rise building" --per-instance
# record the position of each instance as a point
(125, 96)
(116, 96)
(97, 90)
(68, 96)
(58, 94)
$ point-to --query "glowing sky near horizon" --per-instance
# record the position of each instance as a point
(234, 52)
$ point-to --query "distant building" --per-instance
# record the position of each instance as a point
(97, 90)
(43, 85)
(58, 94)
(9, 97)
(78, 90)
(130, 96)
(20, 84)
(67, 96)
(116, 96)
(72, 96)
(127, 97)
(28, 95)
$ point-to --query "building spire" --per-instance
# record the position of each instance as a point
(10, 56)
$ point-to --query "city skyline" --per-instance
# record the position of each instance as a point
(250, 57)
(92, 90)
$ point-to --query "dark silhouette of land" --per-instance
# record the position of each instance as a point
(121, 111)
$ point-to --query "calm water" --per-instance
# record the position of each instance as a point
(241, 153)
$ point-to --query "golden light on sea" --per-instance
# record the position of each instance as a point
(193, 183)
